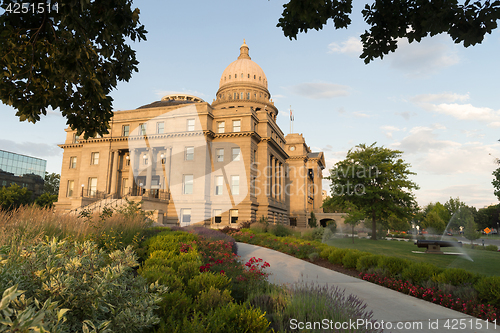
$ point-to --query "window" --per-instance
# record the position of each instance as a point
(219, 183)
(75, 138)
(233, 213)
(160, 127)
(219, 152)
(189, 153)
(236, 125)
(92, 186)
(248, 95)
(71, 187)
(217, 215)
(221, 126)
(241, 95)
(145, 159)
(94, 158)
(187, 184)
(125, 130)
(142, 129)
(72, 162)
(186, 215)
(236, 154)
(235, 185)
(190, 125)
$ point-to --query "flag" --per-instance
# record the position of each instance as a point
(291, 115)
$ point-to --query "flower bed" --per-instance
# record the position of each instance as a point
(470, 307)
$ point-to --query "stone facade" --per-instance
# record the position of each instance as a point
(194, 162)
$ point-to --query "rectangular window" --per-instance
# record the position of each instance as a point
(75, 138)
(94, 158)
(248, 95)
(72, 162)
(160, 127)
(142, 129)
(236, 125)
(71, 188)
(92, 186)
(125, 130)
(189, 153)
(219, 183)
(221, 126)
(219, 152)
(186, 215)
(233, 213)
(236, 154)
(235, 185)
(217, 215)
(190, 125)
(187, 184)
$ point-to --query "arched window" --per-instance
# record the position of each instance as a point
(248, 75)
(254, 77)
(229, 77)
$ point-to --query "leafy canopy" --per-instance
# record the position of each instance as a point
(375, 180)
(389, 21)
(69, 59)
(51, 183)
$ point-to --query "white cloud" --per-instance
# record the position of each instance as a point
(319, 90)
(42, 150)
(388, 130)
(361, 115)
(443, 97)
(423, 140)
(424, 58)
(443, 104)
(351, 45)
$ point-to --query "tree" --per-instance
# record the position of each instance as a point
(392, 20)
(496, 181)
(69, 56)
(398, 224)
(312, 221)
(354, 216)
(46, 200)
(14, 196)
(470, 231)
(51, 183)
(434, 221)
(375, 180)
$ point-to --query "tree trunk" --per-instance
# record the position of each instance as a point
(374, 227)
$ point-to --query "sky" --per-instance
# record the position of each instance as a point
(435, 101)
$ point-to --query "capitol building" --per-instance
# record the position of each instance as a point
(194, 162)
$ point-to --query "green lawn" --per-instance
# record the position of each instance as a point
(483, 262)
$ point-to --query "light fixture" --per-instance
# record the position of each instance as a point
(127, 157)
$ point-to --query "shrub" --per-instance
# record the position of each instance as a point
(419, 272)
(258, 227)
(455, 277)
(491, 248)
(337, 255)
(95, 286)
(175, 305)
(351, 258)
(314, 234)
(325, 253)
(280, 230)
(205, 281)
(393, 265)
(488, 289)
(229, 318)
(165, 275)
(211, 299)
(313, 256)
(367, 262)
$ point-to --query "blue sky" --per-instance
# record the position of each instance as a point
(435, 100)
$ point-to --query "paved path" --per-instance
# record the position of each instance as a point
(389, 306)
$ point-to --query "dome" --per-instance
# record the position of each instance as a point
(243, 70)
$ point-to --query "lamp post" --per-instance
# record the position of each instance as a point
(140, 189)
(82, 189)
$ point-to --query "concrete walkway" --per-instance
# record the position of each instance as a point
(400, 312)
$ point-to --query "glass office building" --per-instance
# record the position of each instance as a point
(20, 165)
(25, 171)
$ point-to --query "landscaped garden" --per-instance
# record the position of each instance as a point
(113, 273)
(435, 278)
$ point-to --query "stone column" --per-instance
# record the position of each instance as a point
(131, 180)
(149, 170)
(271, 176)
(114, 173)
(276, 182)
